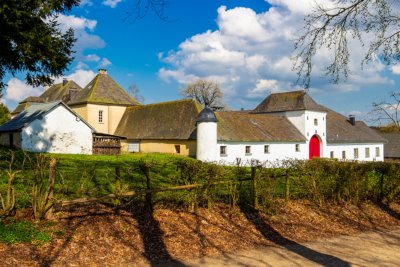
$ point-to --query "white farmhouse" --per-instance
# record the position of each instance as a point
(48, 127)
(284, 126)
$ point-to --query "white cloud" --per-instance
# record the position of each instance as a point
(395, 69)
(250, 54)
(18, 90)
(80, 76)
(111, 3)
(92, 58)
(104, 62)
(83, 29)
(86, 3)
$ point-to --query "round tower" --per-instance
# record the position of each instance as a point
(206, 135)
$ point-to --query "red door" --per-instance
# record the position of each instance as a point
(314, 147)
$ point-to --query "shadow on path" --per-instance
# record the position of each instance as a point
(386, 208)
(271, 234)
(155, 250)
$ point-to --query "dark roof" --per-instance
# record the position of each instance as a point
(61, 91)
(288, 101)
(35, 111)
(207, 115)
(103, 90)
(340, 130)
(168, 120)
(241, 126)
(392, 147)
(24, 104)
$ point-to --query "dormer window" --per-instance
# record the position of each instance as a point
(316, 122)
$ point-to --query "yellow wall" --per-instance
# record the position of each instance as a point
(187, 147)
(111, 116)
(81, 110)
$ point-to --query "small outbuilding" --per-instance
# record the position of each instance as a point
(48, 127)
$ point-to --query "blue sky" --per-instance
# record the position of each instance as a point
(244, 45)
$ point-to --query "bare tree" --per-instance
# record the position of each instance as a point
(387, 112)
(134, 91)
(140, 9)
(207, 93)
(331, 27)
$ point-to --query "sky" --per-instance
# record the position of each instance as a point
(245, 45)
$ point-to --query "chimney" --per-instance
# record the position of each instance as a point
(102, 71)
(65, 81)
(352, 119)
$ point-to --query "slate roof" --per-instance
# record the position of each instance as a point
(340, 130)
(62, 92)
(241, 126)
(35, 111)
(24, 104)
(103, 90)
(392, 147)
(167, 120)
(287, 101)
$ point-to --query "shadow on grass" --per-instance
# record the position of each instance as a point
(155, 250)
(274, 236)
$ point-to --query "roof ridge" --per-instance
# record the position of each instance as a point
(165, 102)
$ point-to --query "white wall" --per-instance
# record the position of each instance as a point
(277, 152)
(59, 131)
(207, 149)
(337, 149)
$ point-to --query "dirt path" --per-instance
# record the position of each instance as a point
(377, 248)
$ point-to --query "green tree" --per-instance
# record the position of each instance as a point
(31, 41)
(332, 25)
(4, 114)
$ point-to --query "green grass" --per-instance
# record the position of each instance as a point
(22, 232)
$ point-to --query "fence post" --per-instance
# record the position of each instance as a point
(148, 188)
(254, 196)
(118, 189)
(50, 196)
(287, 191)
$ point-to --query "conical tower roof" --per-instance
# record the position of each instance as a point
(103, 90)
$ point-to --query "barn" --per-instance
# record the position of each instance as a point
(48, 127)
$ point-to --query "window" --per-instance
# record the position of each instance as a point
(377, 152)
(248, 150)
(343, 154)
(100, 116)
(356, 153)
(177, 149)
(222, 150)
(11, 139)
(316, 122)
(367, 152)
(332, 154)
(266, 149)
(297, 148)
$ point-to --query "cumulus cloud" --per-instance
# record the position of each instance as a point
(83, 30)
(104, 62)
(395, 69)
(17, 90)
(251, 53)
(86, 3)
(111, 3)
(80, 76)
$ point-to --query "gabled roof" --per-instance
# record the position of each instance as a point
(241, 126)
(167, 120)
(340, 130)
(103, 90)
(35, 111)
(287, 101)
(24, 104)
(392, 147)
(61, 91)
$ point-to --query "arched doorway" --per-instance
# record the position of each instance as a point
(315, 147)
